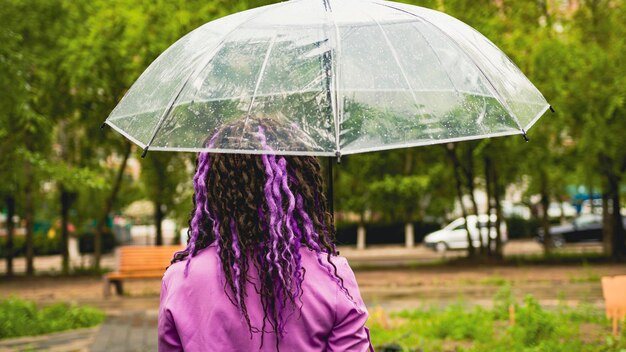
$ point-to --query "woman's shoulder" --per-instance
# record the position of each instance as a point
(324, 262)
(176, 270)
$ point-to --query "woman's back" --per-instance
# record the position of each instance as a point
(197, 315)
(261, 270)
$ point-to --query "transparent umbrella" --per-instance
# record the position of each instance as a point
(349, 76)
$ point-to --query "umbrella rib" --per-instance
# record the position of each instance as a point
(196, 72)
(426, 142)
(336, 105)
(258, 84)
(397, 60)
(493, 87)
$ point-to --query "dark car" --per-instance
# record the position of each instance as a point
(585, 228)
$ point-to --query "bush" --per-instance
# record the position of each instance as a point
(49, 246)
(457, 324)
(42, 245)
(24, 318)
(45, 245)
(382, 233)
(533, 323)
(519, 227)
(86, 242)
(502, 301)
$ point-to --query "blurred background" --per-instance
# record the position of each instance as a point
(483, 246)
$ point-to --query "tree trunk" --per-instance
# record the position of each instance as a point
(450, 148)
(158, 222)
(618, 244)
(471, 187)
(361, 234)
(591, 203)
(10, 202)
(360, 237)
(109, 207)
(499, 215)
(607, 225)
(159, 207)
(67, 198)
(545, 218)
(489, 186)
(409, 235)
(29, 217)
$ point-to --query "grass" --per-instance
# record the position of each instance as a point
(538, 259)
(561, 258)
(24, 318)
(477, 329)
(587, 275)
(495, 280)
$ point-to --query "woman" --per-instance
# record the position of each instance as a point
(261, 272)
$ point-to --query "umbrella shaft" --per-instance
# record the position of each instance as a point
(331, 207)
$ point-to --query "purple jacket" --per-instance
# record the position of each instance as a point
(196, 315)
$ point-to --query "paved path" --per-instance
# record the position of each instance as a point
(75, 340)
(133, 331)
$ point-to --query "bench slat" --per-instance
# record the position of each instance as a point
(139, 262)
(135, 261)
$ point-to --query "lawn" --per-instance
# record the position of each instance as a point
(508, 327)
(20, 317)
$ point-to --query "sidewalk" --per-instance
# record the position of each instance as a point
(129, 332)
(65, 341)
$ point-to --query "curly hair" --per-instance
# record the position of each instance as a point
(260, 210)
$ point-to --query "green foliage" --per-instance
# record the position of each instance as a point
(455, 323)
(42, 244)
(502, 300)
(23, 318)
(533, 323)
(72, 177)
(461, 328)
(399, 191)
(165, 177)
(382, 232)
(86, 242)
(521, 228)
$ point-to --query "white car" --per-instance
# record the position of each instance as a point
(555, 210)
(454, 235)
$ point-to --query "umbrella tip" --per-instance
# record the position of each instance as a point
(524, 135)
(338, 156)
(551, 108)
(145, 151)
(103, 125)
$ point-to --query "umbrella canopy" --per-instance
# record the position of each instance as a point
(346, 76)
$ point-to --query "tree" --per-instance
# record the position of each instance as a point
(120, 39)
(599, 25)
(162, 175)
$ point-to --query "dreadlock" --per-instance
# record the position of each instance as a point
(260, 210)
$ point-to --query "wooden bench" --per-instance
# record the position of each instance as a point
(138, 262)
(614, 292)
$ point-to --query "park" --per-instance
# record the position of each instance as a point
(466, 229)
